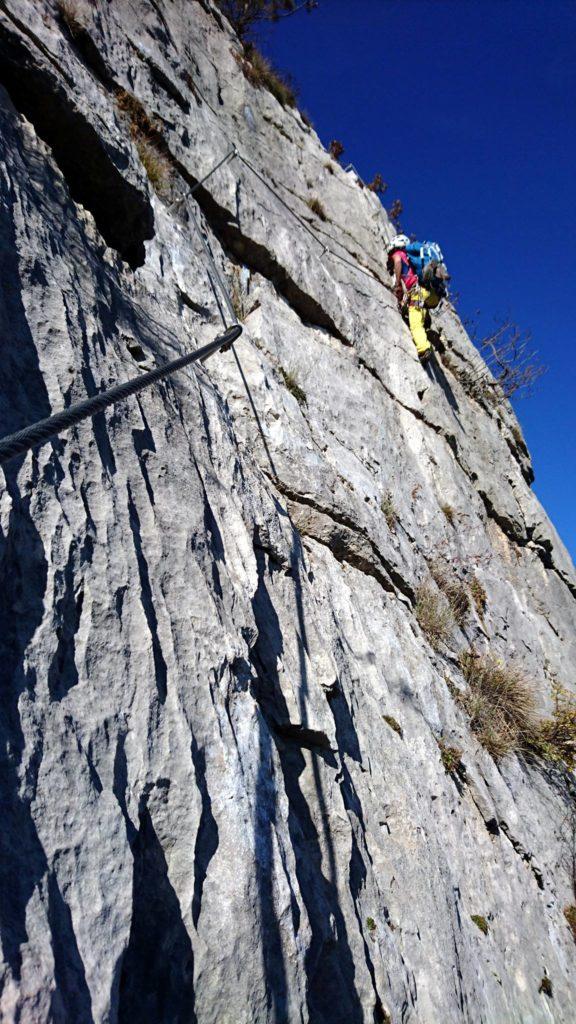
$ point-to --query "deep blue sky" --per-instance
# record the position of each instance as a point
(466, 107)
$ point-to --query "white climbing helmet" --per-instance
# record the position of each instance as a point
(398, 242)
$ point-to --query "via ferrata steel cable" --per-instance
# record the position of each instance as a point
(23, 440)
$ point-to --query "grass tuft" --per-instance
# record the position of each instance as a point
(434, 616)
(388, 509)
(141, 124)
(156, 167)
(394, 725)
(451, 758)
(556, 737)
(71, 17)
(500, 703)
(453, 589)
(260, 73)
(371, 924)
(570, 915)
(480, 922)
(149, 140)
(479, 596)
(315, 205)
(293, 387)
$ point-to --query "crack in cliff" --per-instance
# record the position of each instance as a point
(36, 41)
(259, 259)
(524, 854)
(543, 548)
(319, 230)
(122, 212)
(417, 413)
(347, 541)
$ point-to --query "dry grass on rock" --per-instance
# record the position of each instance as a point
(434, 616)
(260, 73)
(501, 704)
(453, 589)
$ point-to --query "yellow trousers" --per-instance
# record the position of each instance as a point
(420, 300)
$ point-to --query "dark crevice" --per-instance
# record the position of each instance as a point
(310, 739)
(71, 1000)
(123, 214)
(147, 600)
(524, 854)
(520, 453)
(347, 541)
(85, 47)
(68, 601)
(36, 42)
(23, 581)
(331, 993)
(207, 836)
(157, 975)
(143, 443)
(543, 548)
(162, 79)
(258, 259)
(349, 747)
(185, 300)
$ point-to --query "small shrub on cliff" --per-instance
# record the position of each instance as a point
(479, 596)
(480, 922)
(318, 210)
(71, 17)
(378, 185)
(546, 987)
(336, 149)
(570, 915)
(293, 386)
(453, 589)
(388, 509)
(433, 615)
(555, 739)
(243, 15)
(500, 703)
(260, 73)
(451, 758)
(395, 212)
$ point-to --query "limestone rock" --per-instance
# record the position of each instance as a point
(223, 797)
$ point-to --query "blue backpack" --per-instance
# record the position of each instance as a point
(428, 264)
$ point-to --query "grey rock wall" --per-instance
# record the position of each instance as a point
(205, 614)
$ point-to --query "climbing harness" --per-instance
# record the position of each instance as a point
(23, 440)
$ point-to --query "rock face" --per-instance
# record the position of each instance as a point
(222, 792)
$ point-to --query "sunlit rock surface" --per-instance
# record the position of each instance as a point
(206, 616)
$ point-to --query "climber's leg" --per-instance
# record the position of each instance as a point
(416, 314)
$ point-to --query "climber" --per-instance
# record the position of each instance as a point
(419, 282)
